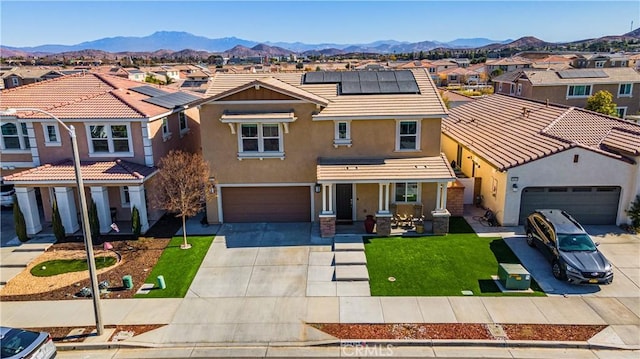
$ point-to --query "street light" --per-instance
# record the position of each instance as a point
(88, 243)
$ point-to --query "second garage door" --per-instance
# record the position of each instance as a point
(588, 205)
(266, 204)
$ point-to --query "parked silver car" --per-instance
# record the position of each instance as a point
(6, 195)
(20, 343)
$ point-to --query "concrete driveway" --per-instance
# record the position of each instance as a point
(260, 260)
(622, 250)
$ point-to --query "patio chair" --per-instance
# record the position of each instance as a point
(402, 214)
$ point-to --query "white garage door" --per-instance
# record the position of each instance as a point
(589, 205)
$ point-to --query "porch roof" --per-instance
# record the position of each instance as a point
(375, 170)
(93, 172)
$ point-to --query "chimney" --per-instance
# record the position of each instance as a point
(547, 102)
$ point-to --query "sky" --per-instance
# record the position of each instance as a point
(32, 23)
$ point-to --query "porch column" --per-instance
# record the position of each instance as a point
(327, 198)
(443, 197)
(67, 208)
(138, 199)
(29, 206)
(438, 197)
(100, 195)
(383, 197)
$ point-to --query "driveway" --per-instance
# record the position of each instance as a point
(622, 250)
(261, 260)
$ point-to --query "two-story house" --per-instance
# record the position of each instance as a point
(123, 129)
(598, 60)
(20, 76)
(573, 87)
(507, 64)
(325, 146)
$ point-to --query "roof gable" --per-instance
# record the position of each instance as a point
(275, 85)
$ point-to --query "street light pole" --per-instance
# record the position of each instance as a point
(86, 229)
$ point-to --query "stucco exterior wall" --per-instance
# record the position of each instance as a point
(592, 169)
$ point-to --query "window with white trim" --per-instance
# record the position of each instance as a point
(260, 138)
(51, 134)
(184, 124)
(15, 81)
(166, 135)
(342, 134)
(125, 200)
(578, 91)
(499, 86)
(625, 90)
(600, 64)
(519, 91)
(109, 139)
(406, 192)
(622, 111)
(15, 136)
(512, 89)
(408, 136)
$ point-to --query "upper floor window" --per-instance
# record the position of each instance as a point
(407, 192)
(600, 64)
(625, 90)
(499, 86)
(622, 111)
(166, 134)
(15, 81)
(15, 136)
(184, 125)
(260, 139)
(408, 136)
(519, 91)
(579, 91)
(51, 134)
(108, 139)
(342, 134)
(512, 89)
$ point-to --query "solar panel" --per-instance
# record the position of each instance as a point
(149, 91)
(366, 82)
(582, 74)
(171, 100)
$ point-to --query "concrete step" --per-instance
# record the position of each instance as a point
(351, 273)
(350, 257)
(6, 274)
(338, 247)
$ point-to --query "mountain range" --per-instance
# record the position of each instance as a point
(168, 43)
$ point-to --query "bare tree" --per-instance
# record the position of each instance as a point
(184, 186)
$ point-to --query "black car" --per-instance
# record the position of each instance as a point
(572, 253)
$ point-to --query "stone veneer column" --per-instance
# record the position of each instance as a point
(327, 225)
(67, 208)
(27, 200)
(383, 224)
(440, 221)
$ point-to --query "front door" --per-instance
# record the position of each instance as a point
(344, 202)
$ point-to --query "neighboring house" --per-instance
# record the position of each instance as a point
(459, 76)
(325, 146)
(507, 64)
(554, 62)
(597, 61)
(123, 129)
(20, 76)
(573, 87)
(525, 155)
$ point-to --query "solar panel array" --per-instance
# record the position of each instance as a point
(149, 90)
(171, 100)
(582, 74)
(366, 82)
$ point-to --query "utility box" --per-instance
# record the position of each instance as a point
(514, 276)
(127, 282)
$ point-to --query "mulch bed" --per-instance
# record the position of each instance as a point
(460, 331)
(60, 334)
(138, 259)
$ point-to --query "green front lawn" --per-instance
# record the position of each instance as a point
(438, 265)
(61, 266)
(178, 267)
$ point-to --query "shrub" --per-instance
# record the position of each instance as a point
(634, 212)
(94, 221)
(18, 219)
(135, 222)
(56, 222)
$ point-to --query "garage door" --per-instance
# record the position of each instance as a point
(266, 204)
(589, 205)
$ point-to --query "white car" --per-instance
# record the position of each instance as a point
(6, 195)
(20, 343)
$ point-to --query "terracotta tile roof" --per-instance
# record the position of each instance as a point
(511, 76)
(456, 97)
(422, 169)
(515, 60)
(508, 131)
(82, 96)
(425, 104)
(117, 171)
